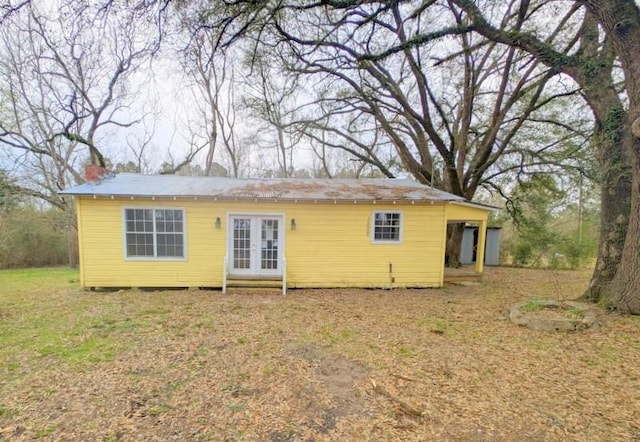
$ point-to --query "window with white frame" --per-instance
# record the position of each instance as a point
(387, 226)
(154, 233)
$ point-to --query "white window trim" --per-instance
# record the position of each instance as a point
(372, 234)
(155, 243)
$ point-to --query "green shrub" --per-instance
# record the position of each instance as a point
(33, 238)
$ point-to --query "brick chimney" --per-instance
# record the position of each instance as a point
(93, 173)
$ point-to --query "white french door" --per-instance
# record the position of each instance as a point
(255, 245)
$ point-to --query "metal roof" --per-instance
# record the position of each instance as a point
(137, 185)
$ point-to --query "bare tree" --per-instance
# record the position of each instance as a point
(355, 133)
(333, 162)
(272, 97)
(8, 8)
(65, 73)
(213, 127)
(458, 113)
(139, 147)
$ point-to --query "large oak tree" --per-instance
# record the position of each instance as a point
(457, 113)
(610, 34)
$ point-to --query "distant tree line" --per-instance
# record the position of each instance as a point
(32, 236)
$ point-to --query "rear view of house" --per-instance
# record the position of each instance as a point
(175, 231)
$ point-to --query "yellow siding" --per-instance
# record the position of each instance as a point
(330, 247)
(459, 212)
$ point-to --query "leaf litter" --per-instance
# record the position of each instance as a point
(324, 365)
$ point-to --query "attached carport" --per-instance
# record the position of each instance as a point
(466, 212)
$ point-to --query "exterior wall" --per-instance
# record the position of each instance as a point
(331, 245)
(459, 212)
(103, 262)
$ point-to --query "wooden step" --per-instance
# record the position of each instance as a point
(255, 283)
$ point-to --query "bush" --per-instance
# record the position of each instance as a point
(523, 254)
(33, 238)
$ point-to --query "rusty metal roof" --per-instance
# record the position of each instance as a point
(137, 185)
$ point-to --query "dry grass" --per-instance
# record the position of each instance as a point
(317, 365)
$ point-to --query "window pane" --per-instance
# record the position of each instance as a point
(386, 226)
(138, 220)
(139, 244)
(160, 220)
(170, 245)
(169, 233)
(169, 221)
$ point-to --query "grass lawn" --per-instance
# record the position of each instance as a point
(318, 365)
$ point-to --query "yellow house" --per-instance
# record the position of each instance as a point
(176, 231)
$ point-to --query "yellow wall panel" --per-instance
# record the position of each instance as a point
(460, 212)
(331, 245)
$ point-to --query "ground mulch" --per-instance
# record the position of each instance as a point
(318, 365)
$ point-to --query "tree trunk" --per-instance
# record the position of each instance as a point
(596, 79)
(624, 294)
(454, 244)
(620, 19)
(615, 193)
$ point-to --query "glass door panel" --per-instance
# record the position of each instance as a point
(255, 245)
(241, 244)
(269, 246)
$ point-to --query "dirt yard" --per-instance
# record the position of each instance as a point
(318, 365)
